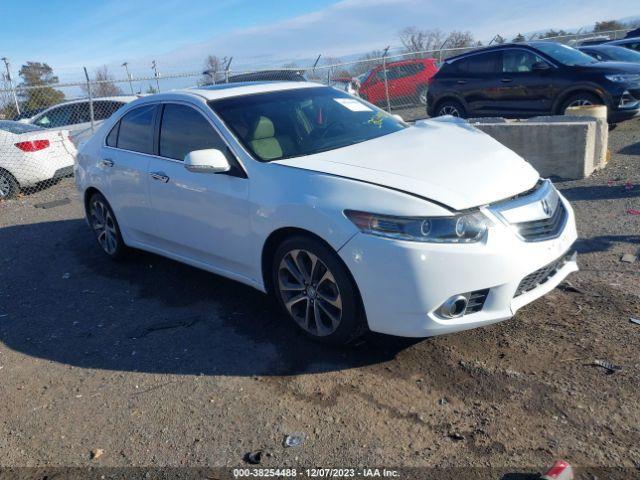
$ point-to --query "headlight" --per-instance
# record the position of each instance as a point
(466, 228)
(623, 77)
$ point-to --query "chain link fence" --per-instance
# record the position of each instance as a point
(42, 126)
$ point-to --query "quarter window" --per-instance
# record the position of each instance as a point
(112, 138)
(184, 130)
(136, 130)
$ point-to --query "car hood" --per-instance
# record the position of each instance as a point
(448, 162)
(611, 67)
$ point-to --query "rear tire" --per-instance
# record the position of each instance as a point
(580, 100)
(9, 186)
(451, 107)
(316, 291)
(105, 227)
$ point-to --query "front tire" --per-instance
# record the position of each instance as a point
(9, 187)
(580, 100)
(105, 227)
(316, 292)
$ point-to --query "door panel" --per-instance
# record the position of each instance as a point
(525, 91)
(201, 216)
(479, 83)
(125, 162)
(128, 191)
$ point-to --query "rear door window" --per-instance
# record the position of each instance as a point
(56, 117)
(484, 63)
(136, 130)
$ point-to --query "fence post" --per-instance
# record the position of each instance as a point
(126, 67)
(155, 73)
(386, 83)
(86, 74)
(13, 91)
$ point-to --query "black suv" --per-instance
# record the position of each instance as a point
(534, 78)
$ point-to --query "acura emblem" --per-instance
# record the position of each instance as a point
(546, 208)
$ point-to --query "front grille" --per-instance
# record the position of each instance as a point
(546, 228)
(542, 275)
(476, 301)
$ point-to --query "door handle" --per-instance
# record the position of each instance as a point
(506, 80)
(160, 176)
(107, 162)
(461, 82)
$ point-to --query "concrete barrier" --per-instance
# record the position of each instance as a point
(562, 147)
(599, 114)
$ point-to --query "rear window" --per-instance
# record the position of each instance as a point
(136, 130)
(17, 127)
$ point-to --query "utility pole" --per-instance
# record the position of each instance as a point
(13, 92)
(155, 70)
(126, 67)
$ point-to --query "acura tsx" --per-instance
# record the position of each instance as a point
(351, 218)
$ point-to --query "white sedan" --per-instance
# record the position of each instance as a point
(351, 218)
(30, 155)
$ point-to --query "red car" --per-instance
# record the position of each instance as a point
(408, 81)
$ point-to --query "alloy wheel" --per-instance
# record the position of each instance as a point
(310, 292)
(449, 110)
(104, 227)
(580, 102)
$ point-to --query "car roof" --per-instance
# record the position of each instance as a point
(224, 90)
(114, 98)
(491, 49)
(623, 41)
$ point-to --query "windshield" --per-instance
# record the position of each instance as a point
(17, 127)
(564, 54)
(304, 121)
(620, 54)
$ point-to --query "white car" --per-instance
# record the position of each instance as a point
(30, 155)
(353, 219)
(75, 115)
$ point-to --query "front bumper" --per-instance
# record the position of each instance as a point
(402, 283)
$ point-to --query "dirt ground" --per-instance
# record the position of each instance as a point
(159, 364)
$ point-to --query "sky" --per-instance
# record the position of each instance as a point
(179, 34)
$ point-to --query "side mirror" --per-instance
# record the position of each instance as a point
(540, 66)
(206, 161)
(398, 117)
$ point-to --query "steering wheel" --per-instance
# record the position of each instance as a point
(328, 128)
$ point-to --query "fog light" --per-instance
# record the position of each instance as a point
(453, 307)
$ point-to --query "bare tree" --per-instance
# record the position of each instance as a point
(367, 62)
(458, 39)
(415, 40)
(102, 85)
(608, 25)
(213, 70)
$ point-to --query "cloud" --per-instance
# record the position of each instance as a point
(352, 26)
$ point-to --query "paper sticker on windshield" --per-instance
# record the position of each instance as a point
(353, 105)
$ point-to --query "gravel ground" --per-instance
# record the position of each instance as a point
(160, 364)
